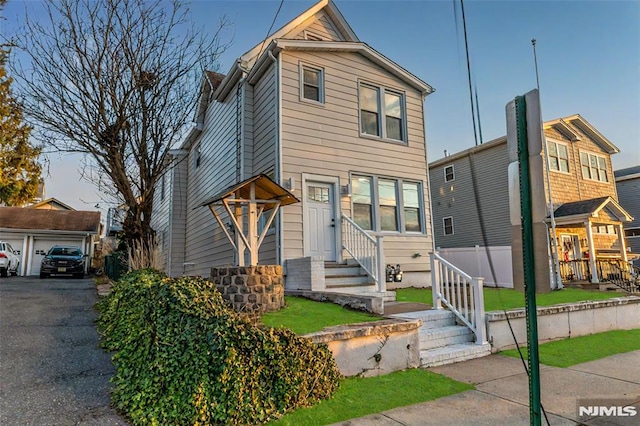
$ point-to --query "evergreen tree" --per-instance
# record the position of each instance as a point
(19, 167)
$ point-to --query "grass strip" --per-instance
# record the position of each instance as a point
(358, 397)
(497, 299)
(306, 316)
(576, 350)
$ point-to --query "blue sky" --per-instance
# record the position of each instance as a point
(588, 59)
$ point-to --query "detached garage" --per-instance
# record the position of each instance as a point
(34, 231)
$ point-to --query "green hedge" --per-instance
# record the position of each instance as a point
(183, 356)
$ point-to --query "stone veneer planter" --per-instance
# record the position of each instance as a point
(254, 289)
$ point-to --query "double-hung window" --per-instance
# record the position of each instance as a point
(447, 224)
(387, 205)
(558, 157)
(594, 167)
(382, 113)
(312, 83)
(449, 174)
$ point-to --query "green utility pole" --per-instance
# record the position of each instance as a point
(528, 263)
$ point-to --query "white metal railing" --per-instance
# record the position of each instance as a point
(459, 292)
(365, 249)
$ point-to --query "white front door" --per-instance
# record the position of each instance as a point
(321, 223)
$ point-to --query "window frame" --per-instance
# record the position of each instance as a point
(589, 155)
(376, 223)
(302, 66)
(453, 173)
(444, 226)
(557, 156)
(382, 113)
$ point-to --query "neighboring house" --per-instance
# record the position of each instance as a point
(628, 185)
(33, 231)
(50, 204)
(588, 218)
(330, 119)
(115, 219)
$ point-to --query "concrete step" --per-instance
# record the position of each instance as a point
(347, 281)
(339, 269)
(431, 338)
(452, 354)
(431, 319)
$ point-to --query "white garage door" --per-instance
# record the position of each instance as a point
(15, 243)
(42, 246)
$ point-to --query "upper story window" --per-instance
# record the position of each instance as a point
(447, 224)
(594, 167)
(197, 157)
(449, 175)
(312, 83)
(558, 157)
(388, 205)
(382, 112)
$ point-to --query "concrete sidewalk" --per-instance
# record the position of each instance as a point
(501, 396)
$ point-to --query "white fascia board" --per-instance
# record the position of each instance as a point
(343, 46)
(622, 214)
(593, 133)
(229, 81)
(627, 177)
(453, 157)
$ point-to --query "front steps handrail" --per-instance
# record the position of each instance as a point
(461, 293)
(364, 249)
(623, 274)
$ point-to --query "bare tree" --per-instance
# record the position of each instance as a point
(118, 81)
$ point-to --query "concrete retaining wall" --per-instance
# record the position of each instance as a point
(562, 321)
(373, 349)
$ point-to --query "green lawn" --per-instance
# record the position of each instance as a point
(576, 350)
(497, 299)
(359, 397)
(306, 316)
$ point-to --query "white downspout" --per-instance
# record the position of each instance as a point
(277, 172)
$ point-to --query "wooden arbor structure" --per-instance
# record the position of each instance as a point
(245, 203)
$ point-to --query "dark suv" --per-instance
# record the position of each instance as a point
(63, 260)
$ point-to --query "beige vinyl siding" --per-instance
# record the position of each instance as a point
(264, 136)
(264, 122)
(319, 24)
(325, 140)
(247, 138)
(456, 199)
(206, 244)
(160, 216)
(178, 217)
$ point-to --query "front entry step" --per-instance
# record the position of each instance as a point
(442, 340)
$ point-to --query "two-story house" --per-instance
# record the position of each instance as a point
(470, 196)
(628, 186)
(330, 119)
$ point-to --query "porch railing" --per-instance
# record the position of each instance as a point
(459, 292)
(364, 249)
(575, 270)
(621, 273)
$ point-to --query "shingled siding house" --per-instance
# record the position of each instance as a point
(330, 119)
(34, 230)
(589, 220)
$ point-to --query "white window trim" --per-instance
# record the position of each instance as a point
(301, 67)
(568, 155)
(453, 170)
(382, 128)
(375, 204)
(444, 226)
(595, 154)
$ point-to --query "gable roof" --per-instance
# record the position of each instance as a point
(584, 209)
(68, 221)
(265, 189)
(361, 48)
(327, 5)
(564, 126)
(50, 203)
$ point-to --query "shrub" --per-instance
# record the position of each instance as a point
(183, 356)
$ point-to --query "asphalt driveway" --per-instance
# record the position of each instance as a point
(52, 371)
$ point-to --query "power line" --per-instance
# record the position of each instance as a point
(270, 28)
